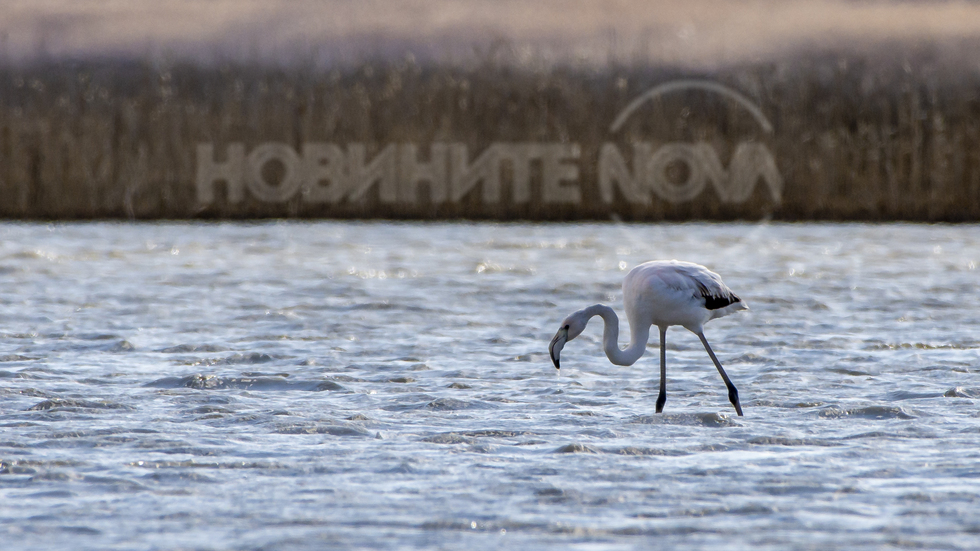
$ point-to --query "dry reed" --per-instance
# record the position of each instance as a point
(854, 138)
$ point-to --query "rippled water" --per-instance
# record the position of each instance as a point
(379, 385)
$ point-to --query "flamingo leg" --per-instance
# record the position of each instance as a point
(732, 391)
(662, 398)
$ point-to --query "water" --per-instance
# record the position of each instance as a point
(387, 385)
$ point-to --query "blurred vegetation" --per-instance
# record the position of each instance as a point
(886, 138)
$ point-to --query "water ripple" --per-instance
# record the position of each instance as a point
(375, 385)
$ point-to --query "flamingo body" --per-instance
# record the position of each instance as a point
(661, 294)
(665, 293)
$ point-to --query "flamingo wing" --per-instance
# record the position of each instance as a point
(703, 284)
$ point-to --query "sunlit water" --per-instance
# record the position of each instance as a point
(387, 385)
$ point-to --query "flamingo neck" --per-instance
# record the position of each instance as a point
(610, 336)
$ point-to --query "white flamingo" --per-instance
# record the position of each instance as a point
(661, 293)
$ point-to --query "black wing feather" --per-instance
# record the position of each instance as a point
(714, 302)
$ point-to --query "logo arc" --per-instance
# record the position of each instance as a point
(688, 84)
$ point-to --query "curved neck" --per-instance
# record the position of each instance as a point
(610, 336)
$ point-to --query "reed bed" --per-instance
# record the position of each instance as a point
(854, 138)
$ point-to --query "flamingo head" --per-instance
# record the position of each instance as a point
(570, 328)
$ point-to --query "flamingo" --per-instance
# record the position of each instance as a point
(661, 293)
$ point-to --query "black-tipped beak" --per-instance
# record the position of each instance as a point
(557, 344)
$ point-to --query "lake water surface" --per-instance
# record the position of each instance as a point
(387, 385)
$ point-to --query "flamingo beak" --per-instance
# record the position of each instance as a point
(557, 344)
